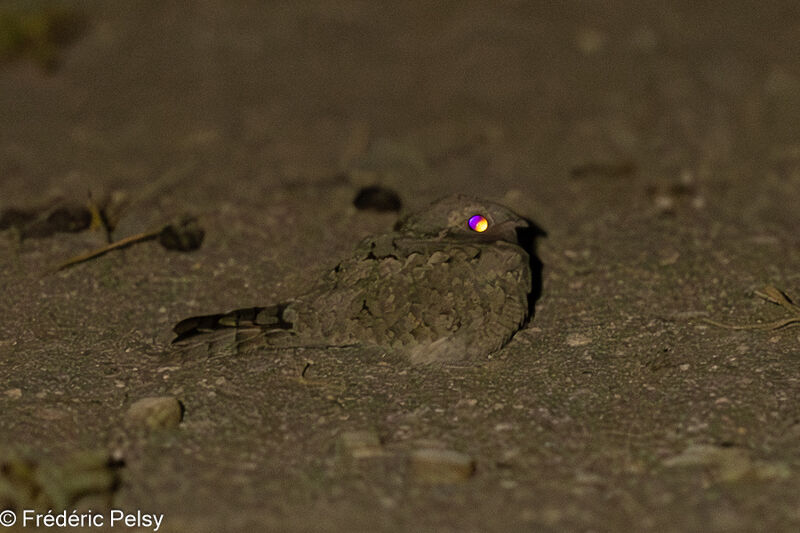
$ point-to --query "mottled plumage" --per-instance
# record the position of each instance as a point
(433, 289)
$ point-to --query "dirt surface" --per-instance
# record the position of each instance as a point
(659, 148)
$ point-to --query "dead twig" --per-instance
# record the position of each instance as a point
(772, 295)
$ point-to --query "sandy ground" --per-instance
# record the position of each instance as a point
(658, 147)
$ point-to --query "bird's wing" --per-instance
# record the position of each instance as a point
(418, 291)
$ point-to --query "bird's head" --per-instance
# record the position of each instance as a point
(464, 218)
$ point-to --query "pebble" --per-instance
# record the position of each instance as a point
(590, 41)
(430, 465)
(578, 339)
(14, 394)
(161, 412)
(377, 198)
(360, 444)
(727, 464)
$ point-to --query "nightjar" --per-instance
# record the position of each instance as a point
(451, 282)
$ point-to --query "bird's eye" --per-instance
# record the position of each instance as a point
(478, 223)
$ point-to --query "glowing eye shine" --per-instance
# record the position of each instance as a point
(478, 223)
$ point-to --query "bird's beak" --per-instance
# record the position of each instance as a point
(507, 231)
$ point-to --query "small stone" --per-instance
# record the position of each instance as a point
(28, 481)
(578, 339)
(162, 412)
(360, 444)
(183, 234)
(669, 258)
(14, 394)
(377, 198)
(430, 465)
(387, 502)
(51, 413)
(664, 204)
(728, 464)
(590, 40)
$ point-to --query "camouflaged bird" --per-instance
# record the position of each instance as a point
(451, 282)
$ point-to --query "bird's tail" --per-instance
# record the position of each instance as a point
(232, 330)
